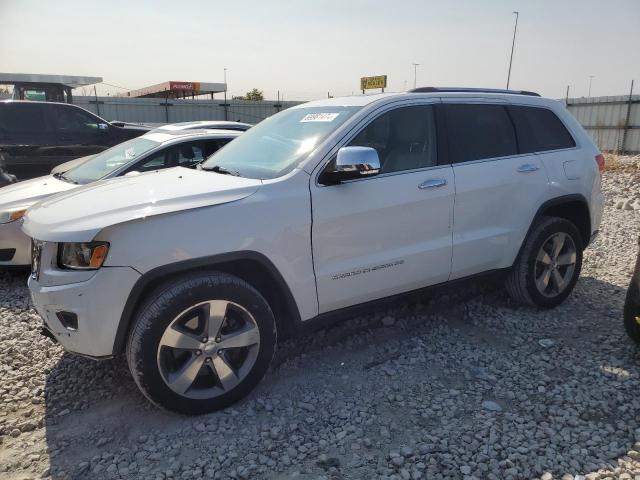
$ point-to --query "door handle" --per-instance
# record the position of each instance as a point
(432, 183)
(528, 167)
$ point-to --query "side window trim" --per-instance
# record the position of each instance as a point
(364, 123)
(442, 136)
(507, 109)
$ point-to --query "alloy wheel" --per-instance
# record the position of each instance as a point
(555, 264)
(208, 349)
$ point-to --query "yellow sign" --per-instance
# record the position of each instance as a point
(367, 83)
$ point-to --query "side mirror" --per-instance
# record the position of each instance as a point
(352, 163)
(103, 126)
(132, 173)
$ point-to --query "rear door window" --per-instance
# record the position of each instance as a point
(22, 118)
(539, 130)
(479, 131)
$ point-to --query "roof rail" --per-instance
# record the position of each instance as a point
(470, 90)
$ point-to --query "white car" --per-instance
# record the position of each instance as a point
(152, 151)
(168, 128)
(322, 208)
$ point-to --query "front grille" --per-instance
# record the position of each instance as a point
(36, 257)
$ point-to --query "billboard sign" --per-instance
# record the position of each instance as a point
(368, 83)
(184, 86)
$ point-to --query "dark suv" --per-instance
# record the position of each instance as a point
(37, 136)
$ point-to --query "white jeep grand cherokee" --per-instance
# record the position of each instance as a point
(195, 274)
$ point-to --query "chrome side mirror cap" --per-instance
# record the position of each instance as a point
(352, 163)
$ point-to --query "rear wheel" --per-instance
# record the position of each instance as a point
(201, 343)
(549, 264)
(632, 312)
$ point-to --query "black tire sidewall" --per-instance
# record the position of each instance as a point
(631, 310)
(162, 312)
(556, 226)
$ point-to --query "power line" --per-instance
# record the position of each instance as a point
(116, 86)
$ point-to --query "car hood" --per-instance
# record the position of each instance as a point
(28, 192)
(79, 215)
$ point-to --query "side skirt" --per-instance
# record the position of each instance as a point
(327, 319)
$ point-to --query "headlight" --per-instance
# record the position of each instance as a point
(82, 256)
(12, 215)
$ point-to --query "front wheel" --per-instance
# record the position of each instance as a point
(201, 343)
(549, 264)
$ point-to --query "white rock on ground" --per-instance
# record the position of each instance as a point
(397, 394)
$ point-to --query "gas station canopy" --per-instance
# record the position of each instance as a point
(52, 88)
(177, 89)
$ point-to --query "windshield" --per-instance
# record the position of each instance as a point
(276, 145)
(111, 159)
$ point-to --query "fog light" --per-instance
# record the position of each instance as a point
(69, 320)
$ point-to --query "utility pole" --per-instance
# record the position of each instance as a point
(623, 146)
(95, 94)
(226, 107)
(590, 81)
(513, 44)
(415, 74)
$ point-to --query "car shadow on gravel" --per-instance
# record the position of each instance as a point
(569, 375)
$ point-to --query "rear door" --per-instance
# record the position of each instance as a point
(541, 131)
(25, 139)
(498, 188)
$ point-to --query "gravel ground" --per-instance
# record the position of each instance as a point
(463, 385)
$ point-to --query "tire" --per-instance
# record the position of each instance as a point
(632, 311)
(532, 264)
(175, 363)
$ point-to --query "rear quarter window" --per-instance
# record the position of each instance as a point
(539, 130)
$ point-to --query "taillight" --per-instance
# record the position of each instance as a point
(600, 162)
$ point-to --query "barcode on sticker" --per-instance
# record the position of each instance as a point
(319, 117)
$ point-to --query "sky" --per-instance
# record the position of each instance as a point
(309, 49)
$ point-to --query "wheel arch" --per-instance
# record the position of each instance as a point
(573, 207)
(252, 267)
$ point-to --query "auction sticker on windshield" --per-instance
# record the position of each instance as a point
(129, 153)
(319, 117)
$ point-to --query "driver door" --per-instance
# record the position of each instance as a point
(390, 233)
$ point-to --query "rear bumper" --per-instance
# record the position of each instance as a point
(13, 238)
(97, 303)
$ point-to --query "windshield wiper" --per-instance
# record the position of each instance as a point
(222, 170)
(62, 176)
